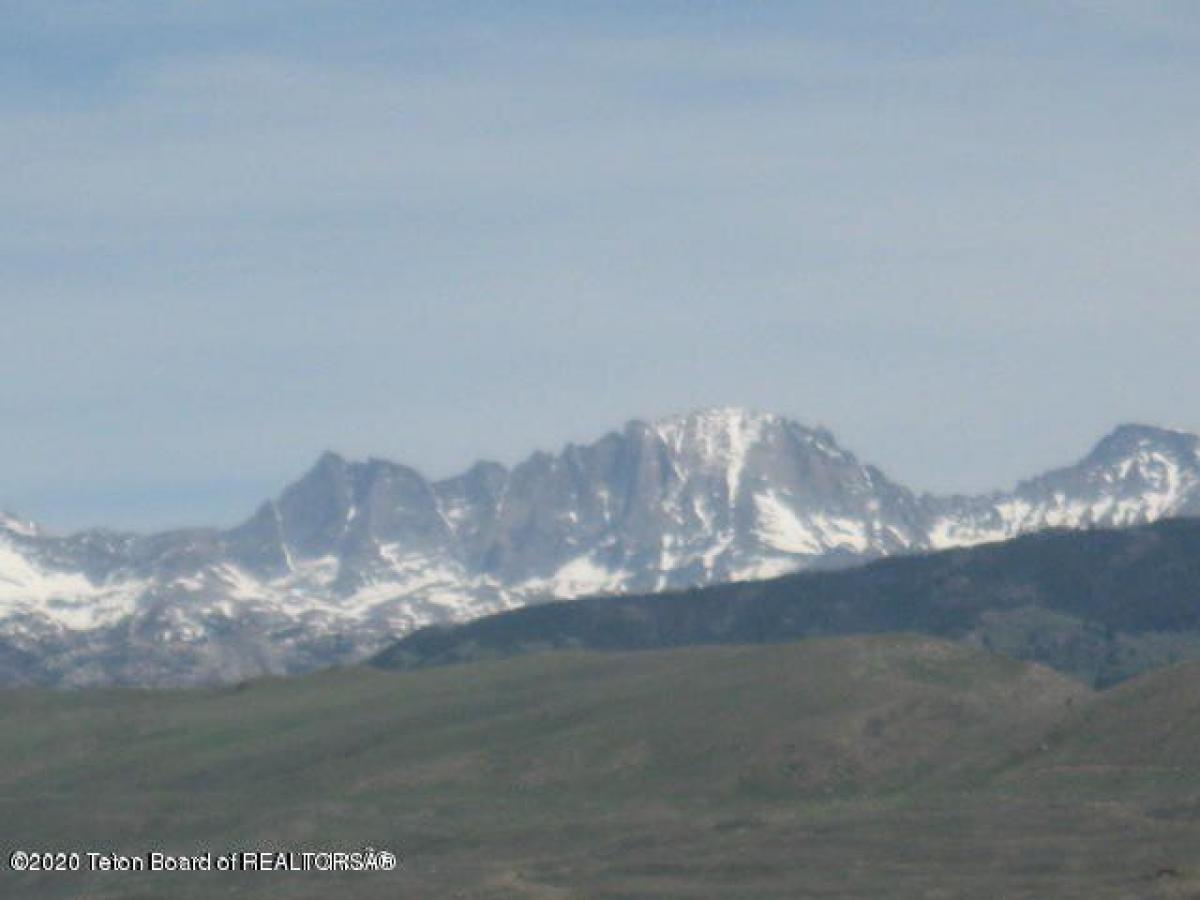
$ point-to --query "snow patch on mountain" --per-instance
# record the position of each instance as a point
(780, 527)
(60, 599)
(580, 577)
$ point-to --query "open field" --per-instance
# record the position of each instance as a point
(876, 766)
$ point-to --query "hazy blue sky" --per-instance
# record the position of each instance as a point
(964, 236)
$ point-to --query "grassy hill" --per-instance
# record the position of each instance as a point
(871, 766)
(1099, 605)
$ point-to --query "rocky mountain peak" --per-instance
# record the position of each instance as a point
(1131, 440)
(713, 433)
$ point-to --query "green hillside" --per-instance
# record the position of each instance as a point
(897, 766)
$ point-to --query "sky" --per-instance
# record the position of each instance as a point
(962, 236)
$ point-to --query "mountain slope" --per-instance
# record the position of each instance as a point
(1100, 605)
(355, 554)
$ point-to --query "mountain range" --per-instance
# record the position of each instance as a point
(356, 554)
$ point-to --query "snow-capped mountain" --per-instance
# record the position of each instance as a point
(355, 554)
(1135, 474)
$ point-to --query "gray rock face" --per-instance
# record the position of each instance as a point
(356, 554)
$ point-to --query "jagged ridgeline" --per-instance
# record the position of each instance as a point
(357, 554)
